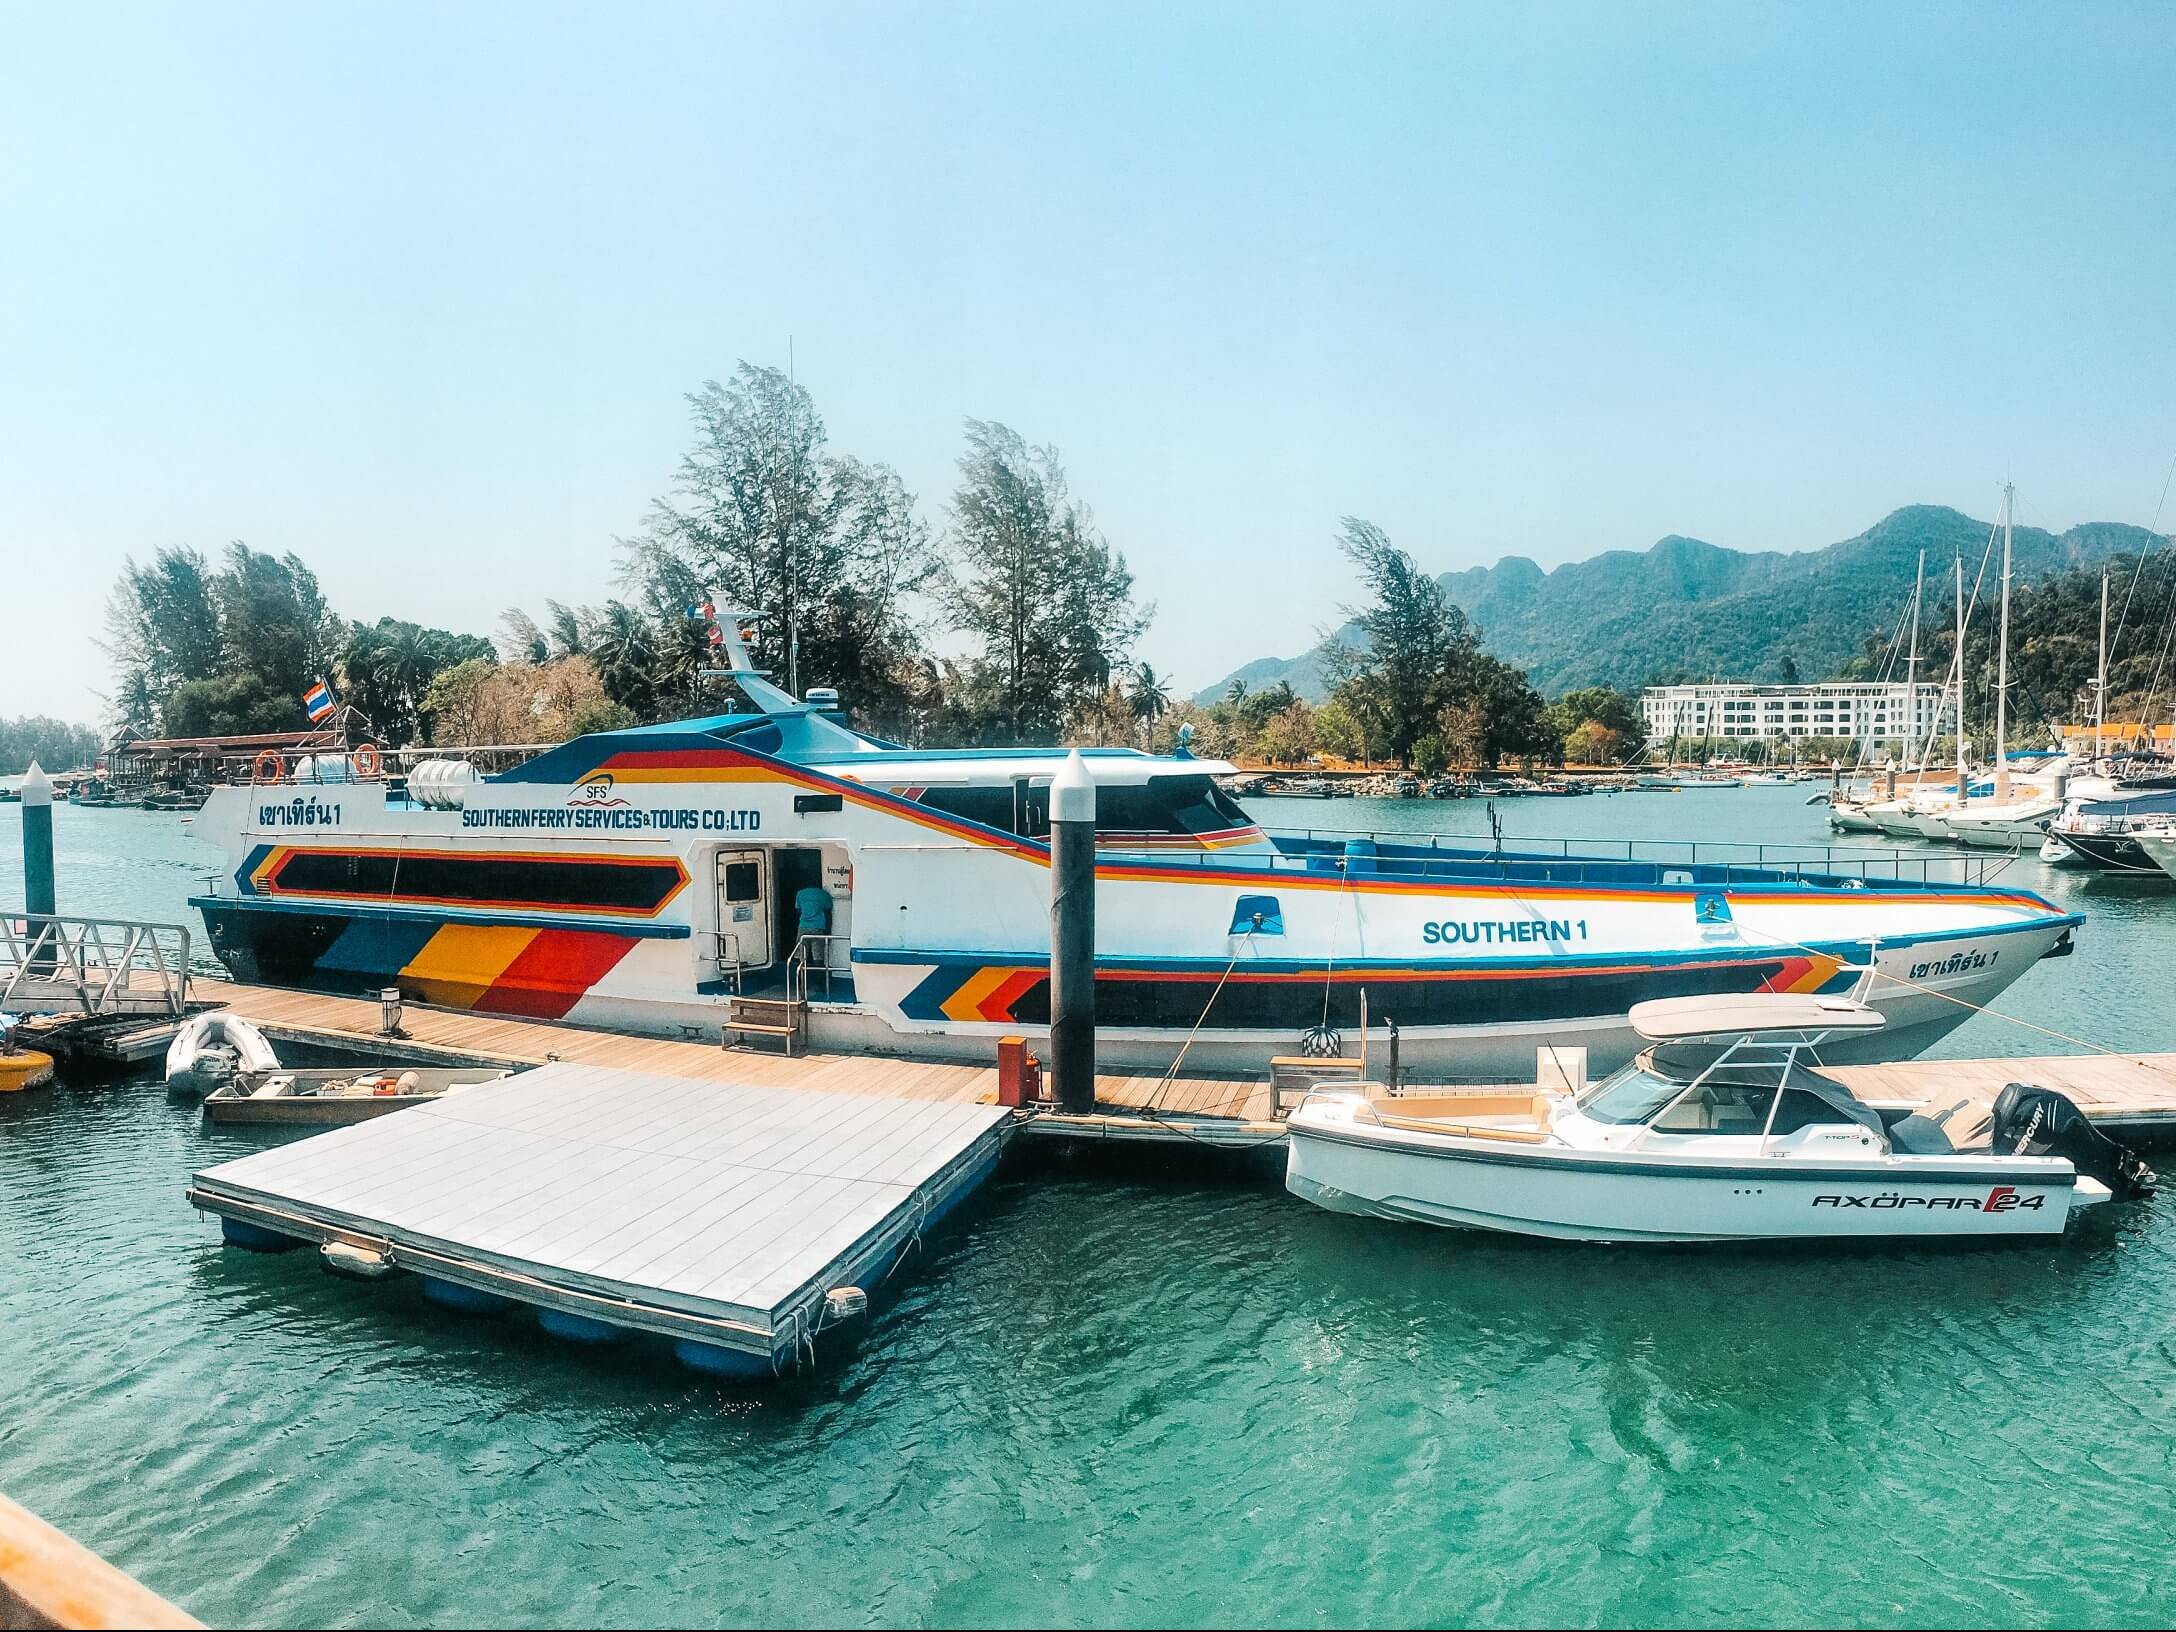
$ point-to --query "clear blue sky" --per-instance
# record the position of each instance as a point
(416, 291)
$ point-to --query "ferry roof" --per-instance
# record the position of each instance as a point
(819, 737)
(990, 766)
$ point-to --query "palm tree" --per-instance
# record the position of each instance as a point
(1236, 693)
(621, 646)
(1149, 693)
(563, 627)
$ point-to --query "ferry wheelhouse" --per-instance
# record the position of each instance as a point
(646, 879)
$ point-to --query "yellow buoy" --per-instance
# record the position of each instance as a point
(25, 1068)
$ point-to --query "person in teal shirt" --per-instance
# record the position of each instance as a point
(813, 903)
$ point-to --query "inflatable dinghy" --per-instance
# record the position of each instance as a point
(213, 1049)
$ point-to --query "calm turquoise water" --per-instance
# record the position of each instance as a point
(1115, 1399)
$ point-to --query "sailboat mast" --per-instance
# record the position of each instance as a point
(2100, 679)
(2002, 660)
(1964, 770)
(1919, 589)
(1911, 664)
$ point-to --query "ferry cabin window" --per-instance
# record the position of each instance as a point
(743, 881)
(1166, 804)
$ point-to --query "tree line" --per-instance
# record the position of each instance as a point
(53, 744)
(1010, 624)
(1013, 622)
(1009, 619)
(1415, 687)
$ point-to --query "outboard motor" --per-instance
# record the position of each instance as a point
(2030, 1121)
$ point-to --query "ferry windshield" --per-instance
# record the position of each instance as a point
(1163, 804)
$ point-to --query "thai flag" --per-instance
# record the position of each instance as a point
(318, 700)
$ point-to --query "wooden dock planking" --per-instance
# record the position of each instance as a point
(286, 1014)
(2132, 1092)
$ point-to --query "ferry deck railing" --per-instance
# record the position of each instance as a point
(94, 966)
(1602, 860)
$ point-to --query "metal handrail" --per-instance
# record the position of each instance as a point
(96, 965)
(1599, 860)
(799, 963)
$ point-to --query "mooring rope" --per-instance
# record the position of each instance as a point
(1171, 1075)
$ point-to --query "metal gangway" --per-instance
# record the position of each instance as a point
(93, 966)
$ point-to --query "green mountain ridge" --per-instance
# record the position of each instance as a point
(1687, 607)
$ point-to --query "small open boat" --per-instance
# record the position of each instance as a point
(1725, 1130)
(334, 1097)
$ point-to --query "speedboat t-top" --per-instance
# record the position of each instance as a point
(1723, 1130)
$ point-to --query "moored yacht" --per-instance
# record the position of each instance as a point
(647, 879)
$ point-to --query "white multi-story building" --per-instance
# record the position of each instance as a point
(1863, 710)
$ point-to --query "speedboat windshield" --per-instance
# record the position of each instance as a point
(1632, 1095)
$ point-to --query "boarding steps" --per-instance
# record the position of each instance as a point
(785, 1018)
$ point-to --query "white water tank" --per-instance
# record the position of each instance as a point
(442, 784)
(322, 768)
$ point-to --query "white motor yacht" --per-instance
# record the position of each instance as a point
(2005, 826)
(1723, 1130)
(2158, 842)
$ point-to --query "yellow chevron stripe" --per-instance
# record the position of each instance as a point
(1821, 969)
(459, 963)
(966, 1003)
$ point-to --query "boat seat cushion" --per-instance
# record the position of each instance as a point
(1916, 1135)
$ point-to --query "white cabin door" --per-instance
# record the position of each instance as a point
(744, 909)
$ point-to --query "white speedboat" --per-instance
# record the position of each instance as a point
(1914, 816)
(1848, 815)
(1724, 1130)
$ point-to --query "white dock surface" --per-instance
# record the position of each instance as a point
(722, 1200)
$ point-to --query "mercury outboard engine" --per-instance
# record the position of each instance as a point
(2030, 1121)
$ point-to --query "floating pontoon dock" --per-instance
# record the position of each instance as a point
(737, 1220)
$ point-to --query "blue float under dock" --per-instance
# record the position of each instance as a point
(720, 1215)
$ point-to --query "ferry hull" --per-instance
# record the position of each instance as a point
(1478, 1021)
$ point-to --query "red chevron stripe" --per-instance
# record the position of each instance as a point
(998, 1005)
(554, 972)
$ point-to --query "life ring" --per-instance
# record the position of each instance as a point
(367, 760)
(270, 766)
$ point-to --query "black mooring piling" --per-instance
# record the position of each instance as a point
(1073, 936)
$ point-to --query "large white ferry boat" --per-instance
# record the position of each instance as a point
(644, 879)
